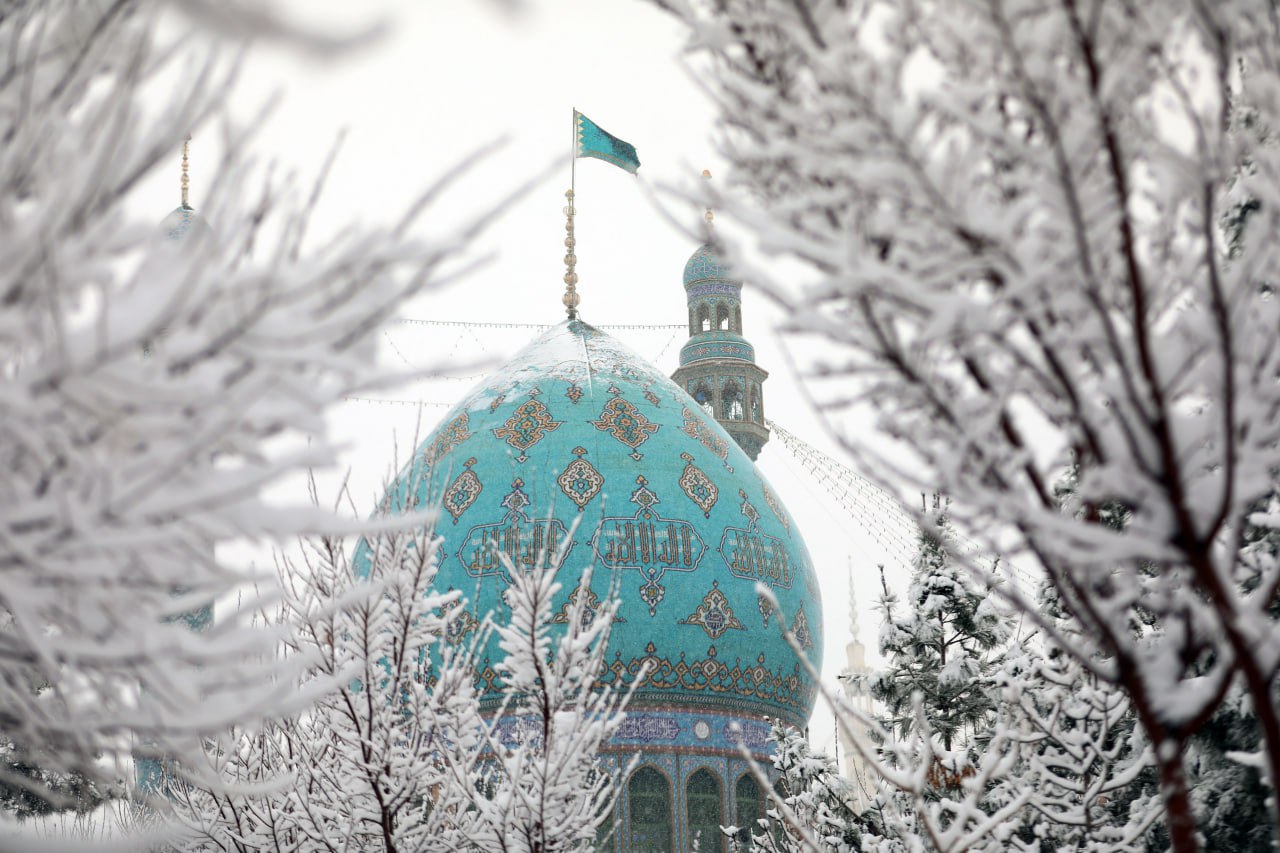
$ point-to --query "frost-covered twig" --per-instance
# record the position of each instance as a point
(154, 386)
(1042, 236)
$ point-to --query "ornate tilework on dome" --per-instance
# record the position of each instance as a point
(705, 265)
(579, 445)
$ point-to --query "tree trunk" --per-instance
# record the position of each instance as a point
(1177, 799)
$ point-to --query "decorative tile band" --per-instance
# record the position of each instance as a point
(719, 349)
(712, 288)
(649, 729)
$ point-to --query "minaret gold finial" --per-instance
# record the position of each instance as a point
(571, 297)
(186, 176)
(710, 216)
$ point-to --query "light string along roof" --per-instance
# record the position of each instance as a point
(542, 327)
(673, 328)
(868, 505)
(879, 512)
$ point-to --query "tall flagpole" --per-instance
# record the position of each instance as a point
(571, 298)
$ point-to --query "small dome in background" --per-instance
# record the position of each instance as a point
(182, 224)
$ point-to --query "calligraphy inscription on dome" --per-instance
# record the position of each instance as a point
(647, 728)
(756, 556)
(656, 543)
(523, 543)
(747, 734)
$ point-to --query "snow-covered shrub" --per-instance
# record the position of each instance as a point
(396, 754)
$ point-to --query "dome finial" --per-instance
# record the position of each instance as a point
(709, 215)
(186, 175)
(571, 297)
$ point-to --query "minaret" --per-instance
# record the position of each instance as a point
(854, 680)
(718, 366)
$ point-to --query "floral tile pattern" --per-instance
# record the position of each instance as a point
(714, 614)
(580, 480)
(526, 427)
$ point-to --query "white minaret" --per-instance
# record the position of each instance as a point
(854, 679)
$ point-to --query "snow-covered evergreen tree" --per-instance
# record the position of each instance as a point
(810, 806)
(1227, 789)
(1084, 753)
(943, 646)
(1016, 220)
(35, 790)
(929, 798)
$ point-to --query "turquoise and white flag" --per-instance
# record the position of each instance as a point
(594, 141)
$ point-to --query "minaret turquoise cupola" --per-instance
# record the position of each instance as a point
(718, 365)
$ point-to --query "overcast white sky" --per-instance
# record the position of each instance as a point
(450, 78)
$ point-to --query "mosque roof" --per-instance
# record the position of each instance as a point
(579, 444)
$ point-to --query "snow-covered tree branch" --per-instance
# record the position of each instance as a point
(396, 754)
(363, 766)
(545, 787)
(1043, 235)
(152, 389)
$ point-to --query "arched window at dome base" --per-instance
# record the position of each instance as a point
(649, 801)
(704, 811)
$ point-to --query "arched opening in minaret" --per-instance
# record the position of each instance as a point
(755, 403)
(704, 318)
(701, 393)
(731, 400)
(722, 317)
(737, 320)
(704, 811)
(746, 808)
(649, 799)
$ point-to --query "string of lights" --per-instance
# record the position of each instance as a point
(874, 509)
(397, 402)
(877, 511)
(538, 326)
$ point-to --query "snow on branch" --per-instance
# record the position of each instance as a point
(155, 383)
(1040, 240)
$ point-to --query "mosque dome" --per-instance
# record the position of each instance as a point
(579, 444)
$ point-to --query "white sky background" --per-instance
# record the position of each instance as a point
(448, 79)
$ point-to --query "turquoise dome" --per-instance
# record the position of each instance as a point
(578, 444)
(705, 265)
